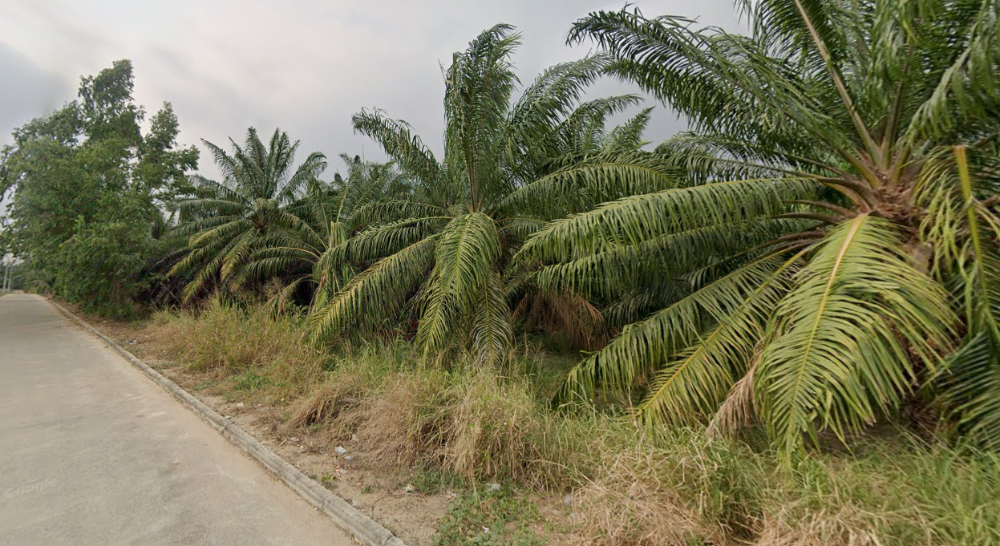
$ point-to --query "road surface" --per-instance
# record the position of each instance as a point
(94, 453)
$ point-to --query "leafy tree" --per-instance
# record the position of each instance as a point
(100, 266)
(86, 184)
(447, 251)
(258, 187)
(831, 254)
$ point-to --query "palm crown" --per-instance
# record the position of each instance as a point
(259, 185)
(831, 242)
(307, 246)
(448, 249)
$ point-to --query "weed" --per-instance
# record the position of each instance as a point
(250, 381)
(496, 518)
(431, 480)
(246, 344)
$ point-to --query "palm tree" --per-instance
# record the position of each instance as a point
(258, 187)
(310, 249)
(448, 251)
(836, 250)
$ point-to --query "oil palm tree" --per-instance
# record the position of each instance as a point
(447, 253)
(259, 185)
(310, 249)
(836, 248)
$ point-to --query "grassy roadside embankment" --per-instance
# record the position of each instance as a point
(424, 446)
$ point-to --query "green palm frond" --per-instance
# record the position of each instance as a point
(605, 177)
(383, 240)
(693, 384)
(211, 258)
(216, 205)
(643, 347)
(532, 129)
(619, 269)
(384, 286)
(968, 88)
(273, 257)
(479, 85)
(465, 268)
(628, 136)
(396, 138)
(704, 158)
(969, 382)
(847, 332)
(584, 129)
(639, 304)
(384, 211)
(194, 227)
(631, 220)
(492, 334)
(970, 386)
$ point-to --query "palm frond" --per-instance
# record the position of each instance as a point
(644, 347)
(465, 262)
(619, 269)
(396, 138)
(634, 219)
(847, 333)
(628, 136)
(605, 177)
(374, 297)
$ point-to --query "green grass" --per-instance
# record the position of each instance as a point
(250, 381)
(630, 486)
(481, 517)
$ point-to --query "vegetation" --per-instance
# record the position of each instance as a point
(626, 485)
(91, 194)
(832, 254)
(258, 188)
(449, 246)
(791, 312)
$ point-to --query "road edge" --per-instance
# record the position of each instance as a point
(348, 518)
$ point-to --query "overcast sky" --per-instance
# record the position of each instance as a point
(303, 66)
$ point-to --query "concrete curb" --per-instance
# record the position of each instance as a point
(364, 529)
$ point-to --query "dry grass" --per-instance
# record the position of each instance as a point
(469, 423)
(256, 353)
(629, 487)
(627, 504)
(679, 488)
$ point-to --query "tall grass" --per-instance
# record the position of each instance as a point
(629, 486)
(250, 347)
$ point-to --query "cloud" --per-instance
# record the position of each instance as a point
(303, 66)
(26, 91)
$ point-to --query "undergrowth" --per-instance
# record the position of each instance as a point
(247, 349)
(628, 486)
(489, 518)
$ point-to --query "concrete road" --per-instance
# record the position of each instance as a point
(93, 453)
